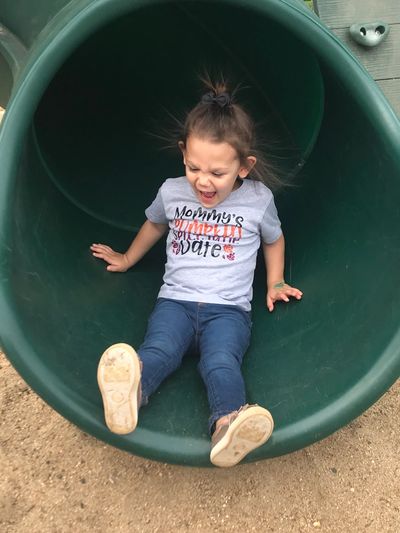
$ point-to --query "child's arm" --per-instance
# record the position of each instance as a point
(148, 235)
(274, 255)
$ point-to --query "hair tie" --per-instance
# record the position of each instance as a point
(222, 99)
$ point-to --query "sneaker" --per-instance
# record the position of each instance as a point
(118, 376)
(246, 430)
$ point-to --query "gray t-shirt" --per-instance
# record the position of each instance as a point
(211, 253)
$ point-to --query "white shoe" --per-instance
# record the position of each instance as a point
(118, 376)
(246, 430)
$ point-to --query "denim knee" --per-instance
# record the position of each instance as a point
(219, 361)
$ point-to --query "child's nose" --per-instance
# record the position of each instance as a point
(204, 179)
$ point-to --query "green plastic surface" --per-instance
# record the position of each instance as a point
(79, 166)
(12, 57)
(6, 82)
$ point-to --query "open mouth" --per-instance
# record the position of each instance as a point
(207, 195)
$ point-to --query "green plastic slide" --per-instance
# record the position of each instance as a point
(91, 85)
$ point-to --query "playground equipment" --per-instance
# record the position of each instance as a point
(78, 166)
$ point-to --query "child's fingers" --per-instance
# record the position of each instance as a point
(292, 291)
(295, 293)
(107, 249)
(282, 295)
(107, 254)
(101, 247)
(105, 257)
(98, 254)
(101, 255)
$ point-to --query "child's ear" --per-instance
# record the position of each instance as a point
(182, 148)
(181, 145)
(245, 169)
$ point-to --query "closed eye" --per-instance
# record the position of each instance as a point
(216, 174)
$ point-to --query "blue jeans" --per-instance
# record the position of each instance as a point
(220, 334)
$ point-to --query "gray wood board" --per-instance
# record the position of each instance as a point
(344, 13)
(391, 89)
(382, 61)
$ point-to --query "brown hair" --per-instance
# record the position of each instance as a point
(228, 122)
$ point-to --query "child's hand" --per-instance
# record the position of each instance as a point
(116, 262)
(281, 291)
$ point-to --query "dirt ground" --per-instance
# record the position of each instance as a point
(57, 479)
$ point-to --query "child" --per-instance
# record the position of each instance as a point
(216, 217)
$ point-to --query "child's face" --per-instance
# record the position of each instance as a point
(213, 169)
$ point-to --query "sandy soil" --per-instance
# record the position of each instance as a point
(57, 479)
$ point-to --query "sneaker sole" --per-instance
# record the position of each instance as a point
(118, 376)
(250, 430)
